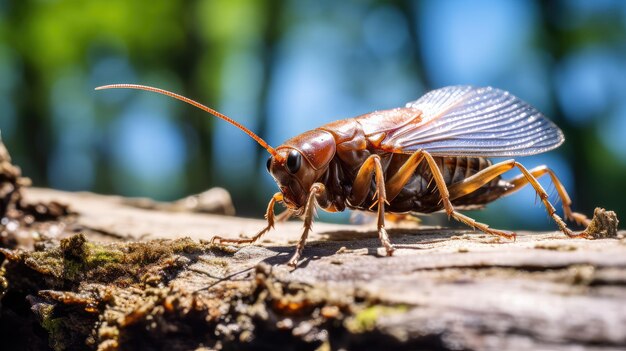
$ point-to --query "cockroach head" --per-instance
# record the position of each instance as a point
(299, 163)
(295, 165)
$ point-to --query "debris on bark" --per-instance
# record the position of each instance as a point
(11, 182)
(603, 224)
(20, 218)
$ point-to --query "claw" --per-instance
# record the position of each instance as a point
(506, 235)
(292, 263)
(390, 250)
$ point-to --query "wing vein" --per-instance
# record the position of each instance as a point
(468, 121)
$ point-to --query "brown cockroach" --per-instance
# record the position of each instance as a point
(428, 156)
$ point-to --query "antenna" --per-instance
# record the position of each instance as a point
(257, 138)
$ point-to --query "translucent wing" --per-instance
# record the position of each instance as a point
(469, 121)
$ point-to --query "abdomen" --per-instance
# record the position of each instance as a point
(420, 194)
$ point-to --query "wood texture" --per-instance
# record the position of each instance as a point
(443, 289)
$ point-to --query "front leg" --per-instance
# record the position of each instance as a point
(360, 189)
(316, 190)
(269, 215)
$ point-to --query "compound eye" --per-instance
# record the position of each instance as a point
(269, 163)
(294, 160)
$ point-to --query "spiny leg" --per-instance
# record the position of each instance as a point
(520, 181)
(360, 189)
(447, 204)
(309, 212)
(269, 215)
(483, 177)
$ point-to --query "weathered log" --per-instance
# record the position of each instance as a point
(444, 288)
(110, 273)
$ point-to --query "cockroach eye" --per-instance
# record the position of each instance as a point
(269, 163)
(294, 160)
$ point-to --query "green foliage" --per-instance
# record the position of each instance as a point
(205, 48)
(58, 34)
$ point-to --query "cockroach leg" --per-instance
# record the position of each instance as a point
(520, 181)
(269, 215)
(447, 204)
(395, 184)
(474, 182)
(544, 198)
(309, 212)
(360, 188)
(363, 179)
(483, 177)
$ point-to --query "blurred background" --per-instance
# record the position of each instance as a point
(283, 67)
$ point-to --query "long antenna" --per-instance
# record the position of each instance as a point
(257, 138)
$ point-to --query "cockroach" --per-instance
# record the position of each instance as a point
(430, 155)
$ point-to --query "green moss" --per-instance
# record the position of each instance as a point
(153, 251)
(77, 260)
(72, 270)
(101, 255)
(365, 320)
(186, 245)
(54, 326)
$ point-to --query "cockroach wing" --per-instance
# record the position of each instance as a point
(469, 121)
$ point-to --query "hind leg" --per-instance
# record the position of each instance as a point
(400, 178)
(520, 181)
(527, 177)
(467, 187)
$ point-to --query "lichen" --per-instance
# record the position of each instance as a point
(366, 319)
